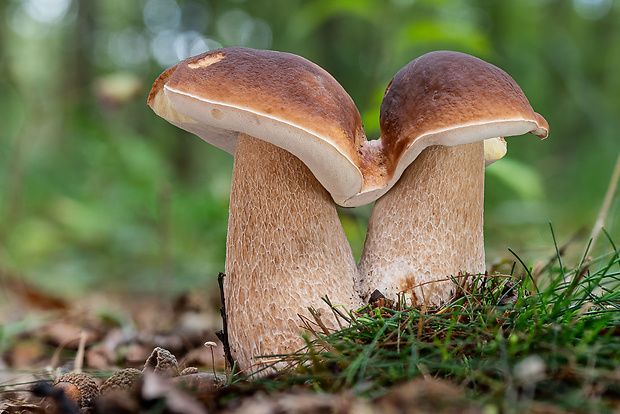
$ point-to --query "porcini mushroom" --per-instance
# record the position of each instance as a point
(293, 131)
(428, 226)
(297, 138)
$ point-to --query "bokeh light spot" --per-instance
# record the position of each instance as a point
(162, 15)
(592, 9)
(47, 11)
(237, 28)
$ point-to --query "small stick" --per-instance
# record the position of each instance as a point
(222, 335)
(602, 215)
(79, 357)
(334, 312)
(318, 320)
(421, 321)
(56, 356)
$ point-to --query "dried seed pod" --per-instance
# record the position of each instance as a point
(189, 370)
(122, 380)
(79, 388)
(162, 362)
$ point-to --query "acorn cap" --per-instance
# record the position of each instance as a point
(189, 371)
(162, 362)
(122, 380)
(80, 388)
(199, 382)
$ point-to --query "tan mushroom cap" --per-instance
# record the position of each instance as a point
(440, 98)
(447, 98)
(274, 96)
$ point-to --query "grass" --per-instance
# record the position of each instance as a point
(509, 340)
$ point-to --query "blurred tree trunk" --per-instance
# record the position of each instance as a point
(77, 55)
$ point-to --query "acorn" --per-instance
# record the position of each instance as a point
(122, 380)
(79, 388)
(189, 371)
(162, 362)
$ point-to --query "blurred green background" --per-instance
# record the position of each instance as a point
(98, 193)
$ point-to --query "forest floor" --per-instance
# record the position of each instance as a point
(499, 347)
(42, 339)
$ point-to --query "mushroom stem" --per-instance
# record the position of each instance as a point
(428, 227)
(285, 250)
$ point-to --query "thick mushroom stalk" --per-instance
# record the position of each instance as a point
(285, 249)
(429, 226)
(435, 211)
(292, 130)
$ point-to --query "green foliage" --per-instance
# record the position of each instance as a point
(97, 191)
(521, 179)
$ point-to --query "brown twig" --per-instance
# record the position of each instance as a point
(421, 321)
(223, 334)
(79, 357)
(318, 320)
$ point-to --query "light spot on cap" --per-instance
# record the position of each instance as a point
(207, 60)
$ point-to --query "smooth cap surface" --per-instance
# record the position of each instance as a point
(277, 97)
(448, 98)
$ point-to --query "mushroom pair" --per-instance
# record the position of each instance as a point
(299, 145)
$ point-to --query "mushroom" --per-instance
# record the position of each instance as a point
(297, 139)
(294, 133)
(429, 226)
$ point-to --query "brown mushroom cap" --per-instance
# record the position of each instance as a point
(276, 97)
(447, 98)
(454, 98)
(441, 98)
